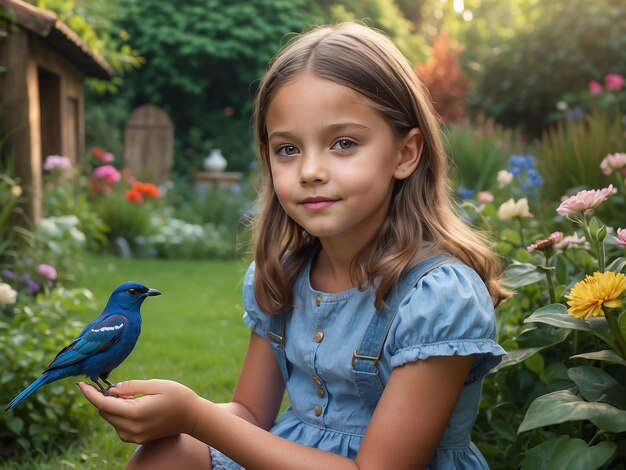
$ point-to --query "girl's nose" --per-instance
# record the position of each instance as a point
(313, 168)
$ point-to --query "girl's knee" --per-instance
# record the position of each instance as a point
(173, 452)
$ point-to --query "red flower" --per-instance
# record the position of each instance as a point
(133, 195)
(146, 189)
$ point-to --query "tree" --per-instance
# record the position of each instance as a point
(203, 58)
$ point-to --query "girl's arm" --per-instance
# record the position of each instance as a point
(407, 425)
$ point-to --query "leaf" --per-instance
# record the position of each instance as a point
(562, 405)
(566, 452)
(521, 274)
(594, 384)
(607, 355)
(535, 364)
(621, 322)
(561, 270)
(14, 423)
(556, 315)
(515, 357)
(617, 265)
(511, 236)
(535, 341)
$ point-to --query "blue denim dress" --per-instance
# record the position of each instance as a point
(447, 312)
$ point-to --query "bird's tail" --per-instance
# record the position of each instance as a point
(44, 379)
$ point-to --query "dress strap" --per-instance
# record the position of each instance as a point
(276, 334)
(365, 358)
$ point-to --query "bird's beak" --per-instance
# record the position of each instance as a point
(153, 292)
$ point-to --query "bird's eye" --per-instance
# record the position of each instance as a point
(132, 291)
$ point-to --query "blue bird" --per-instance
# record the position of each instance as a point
(102, 345)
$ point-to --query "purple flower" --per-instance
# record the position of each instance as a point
(8, 274)
(31, 286)
(57, 162)
(47, 272)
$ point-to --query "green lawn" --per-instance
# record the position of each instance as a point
(193, 334)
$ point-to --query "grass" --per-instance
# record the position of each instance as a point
(193, 334)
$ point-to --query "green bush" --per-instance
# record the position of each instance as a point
(478, 151)
(573, 42)
(31, 333)
(175, 238)
(569, 155)
(123, 218)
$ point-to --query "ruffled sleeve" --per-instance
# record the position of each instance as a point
(449, 312)
(256, 320)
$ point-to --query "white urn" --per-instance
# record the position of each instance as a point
(215, 161)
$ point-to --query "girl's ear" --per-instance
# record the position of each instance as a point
(410, 153)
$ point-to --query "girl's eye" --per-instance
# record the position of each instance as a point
(287, 150)
(344, 144)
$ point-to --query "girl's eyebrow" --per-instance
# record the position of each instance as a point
(331, 128)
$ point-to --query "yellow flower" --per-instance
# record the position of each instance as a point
(588, 296)
(16, 191)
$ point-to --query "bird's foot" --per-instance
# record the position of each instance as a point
(108, 393)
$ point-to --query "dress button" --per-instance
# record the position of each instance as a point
(320, 392)
(318, 300)
(317, 410)
(318, 336)
(316, 380)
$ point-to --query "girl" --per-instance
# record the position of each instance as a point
(369, 300)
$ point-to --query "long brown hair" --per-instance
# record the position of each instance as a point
(422, 208)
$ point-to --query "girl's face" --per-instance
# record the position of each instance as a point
(332, 159)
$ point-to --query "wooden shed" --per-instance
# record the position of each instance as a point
(41, 93)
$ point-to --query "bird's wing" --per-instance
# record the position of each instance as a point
(99, 337)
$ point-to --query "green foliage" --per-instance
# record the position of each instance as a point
(123, 218)
(478, 151)
(96, 23)
(381, 14)
(10, 192)
(66, 194)
(202, 57)
(177, 239)
(30, 336)
(569, 155)
(525, 77)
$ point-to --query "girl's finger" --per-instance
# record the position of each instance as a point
(107, 404)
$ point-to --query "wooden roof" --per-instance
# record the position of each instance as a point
(58, 35)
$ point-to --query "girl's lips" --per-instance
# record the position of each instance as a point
(317, 204)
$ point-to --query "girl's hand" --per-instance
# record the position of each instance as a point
(166, 408)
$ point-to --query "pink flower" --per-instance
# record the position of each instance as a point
(108, 173)
(572, 241)
(584, 201)
(484, 197)
(621, 237)
(47, 272)
(613, 81)
(549, 242)
(613, 161)
(106, 157)
(57, 162)
(595, 88)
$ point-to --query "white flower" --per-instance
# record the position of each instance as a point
(504, 178)
(512, 209)
(7, 294)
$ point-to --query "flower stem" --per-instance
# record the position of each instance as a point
(598, 245)
(550, 286)
(611, 315)
(521, 231)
